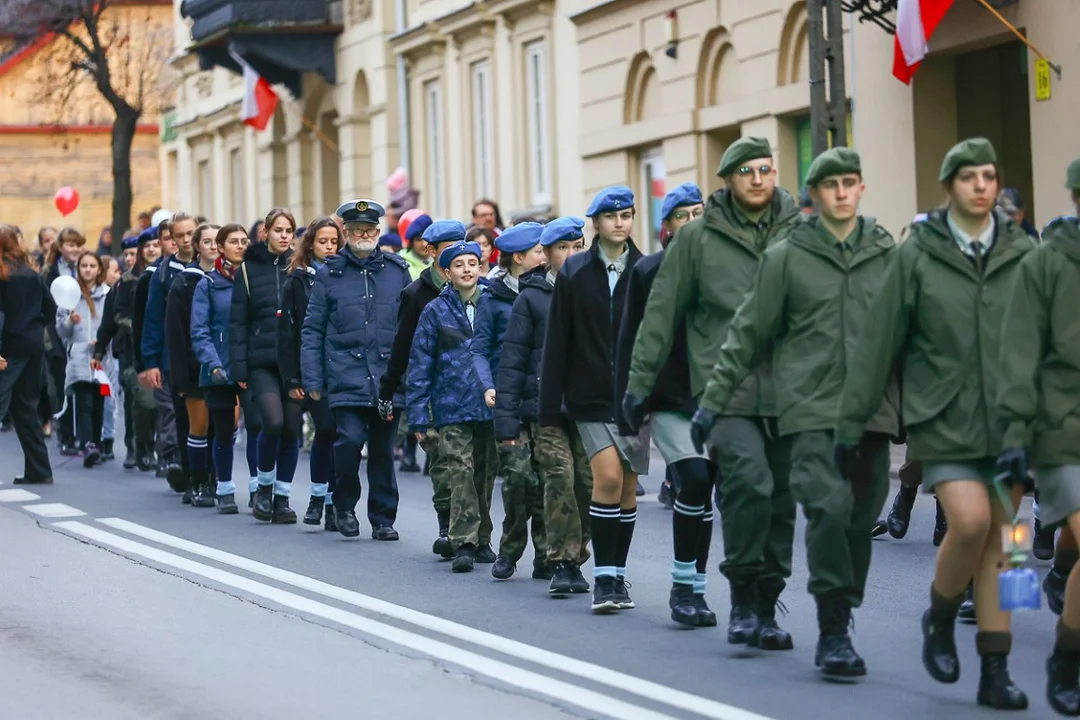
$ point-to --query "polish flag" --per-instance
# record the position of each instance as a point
(260, 101)
(916, 21)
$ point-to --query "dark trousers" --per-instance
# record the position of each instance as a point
(183, 427)
(20, 394)
(89, 413)
(357, 426)
(166, 437)
(56, 367)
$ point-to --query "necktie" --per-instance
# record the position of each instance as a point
(470, 312)
(73, 273)
(612, 277)
(976, 249)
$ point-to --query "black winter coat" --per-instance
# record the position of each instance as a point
(578, 367)
(115, 328)
(138, 314)
(183, 365)
(256, 303)
(414, 299)
(295, 294)
(672, 390)
(26, 309)
(517, 383)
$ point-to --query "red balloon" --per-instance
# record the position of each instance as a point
(67, 199)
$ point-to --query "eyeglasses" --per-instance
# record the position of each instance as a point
(763, 170)
(237, 242)
(364, 231)
(681, 215)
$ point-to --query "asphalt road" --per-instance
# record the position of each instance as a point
(121, 602)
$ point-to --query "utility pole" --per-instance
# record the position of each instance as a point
(828, 95)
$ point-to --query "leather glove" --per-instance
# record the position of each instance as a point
(1012, 466)
(633, 409)
(219, 377)
(845, 456)
(386, 410)
(701, 427)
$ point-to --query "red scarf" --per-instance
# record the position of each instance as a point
(225, 267)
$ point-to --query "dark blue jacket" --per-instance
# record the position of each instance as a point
(492, 315)
(211, 306)
(517, 384)
(295, 295)
(443, 387)
(350, 325)
(183, 365)
(153, 327)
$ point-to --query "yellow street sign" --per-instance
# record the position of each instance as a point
(1042, 80)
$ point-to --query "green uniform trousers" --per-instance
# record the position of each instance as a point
(566, 477)
(838, 524)
(440, 486)
(471, 461)
(757, 510)
(523, 499)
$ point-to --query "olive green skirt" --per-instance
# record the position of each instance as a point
(1059, 494)
(981, 469)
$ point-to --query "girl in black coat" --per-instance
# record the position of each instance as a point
(322, 238)
(253, 328)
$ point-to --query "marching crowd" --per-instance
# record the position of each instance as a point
(771, 353)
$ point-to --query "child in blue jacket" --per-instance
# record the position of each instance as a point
(445, 393)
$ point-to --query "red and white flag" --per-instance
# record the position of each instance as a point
(916, 21)
(260, 101)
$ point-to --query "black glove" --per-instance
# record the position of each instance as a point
(386, 410)
(218, 376)
(1012, 466)
(633, 409)
(701, 427)
(845, 456)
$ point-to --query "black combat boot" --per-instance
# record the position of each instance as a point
(330, 519)
(442, 546)
(967, 608)
(464, 558)
(203, 492)
(263, 506)
(1063, 672)
(681, 602)
(226, 504)
(283, 514)
(503, 569)
(484, 554)
(835, 654)
(768, 635)
(1054, 587)
(939, 637)
(900, 516)
(996, 688)
(313, 516)
(743, 620)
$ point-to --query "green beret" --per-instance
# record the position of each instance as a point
(837, 161)
(743, 149)
(975, 151)
(1072, 176)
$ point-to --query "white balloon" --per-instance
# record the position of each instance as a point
(65, 292)
(159, 216)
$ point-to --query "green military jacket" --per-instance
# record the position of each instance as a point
(1039, 393)
(810, 303)
(704, 277)
(939, 315)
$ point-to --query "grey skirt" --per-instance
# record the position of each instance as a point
(671, 435)
(633, 450)
(981, 469)
(1059, 494)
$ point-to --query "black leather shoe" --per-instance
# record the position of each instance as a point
(313, 516)
(899, 518)
(262, 506)
(283, 514)
(706, 617)
(681, 602)
(939, 648)
(226, 504)
(503, 569)
(330, 520)
(1062, 686)
(385, 533)
(880, 528)
(347, 524)
(130, 461)
(463, 559)
(996, 688)
(442, 546)
(32, 481)
(484, 554)
(561, 579)
(1054, 587)
(203, 497)
(966, 613)
(1042, 544)
(176, 477)
(542, 570)
(743, 620)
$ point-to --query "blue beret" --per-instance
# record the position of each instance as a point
(391, 238)
(685, 194)
(567, 228)
(417, 227)
(616, 197)
(129, 243)
(520, 237)
(460, 248)
(442, 231)
(367, 212)
(150, 233)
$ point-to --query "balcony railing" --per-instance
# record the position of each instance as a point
(212, 18)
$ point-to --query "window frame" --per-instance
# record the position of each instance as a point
(483, 129)
(537, 120)
(434, 129)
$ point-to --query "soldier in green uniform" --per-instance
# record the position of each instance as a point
(1039, 410)
(705, 274)
(938, 316)
(810, 302)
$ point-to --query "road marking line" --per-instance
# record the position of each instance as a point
(523, 651)
(17, 495)
(496, 669)
(54, 510)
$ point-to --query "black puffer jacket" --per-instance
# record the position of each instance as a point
(517, 383)
(183, 365)
(295, 294)
(256, 302)
(115, 330)
(414, 299)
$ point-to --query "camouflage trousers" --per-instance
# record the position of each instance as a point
(523, 499)
(566, 477)
(471, 461)
(440, 484)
